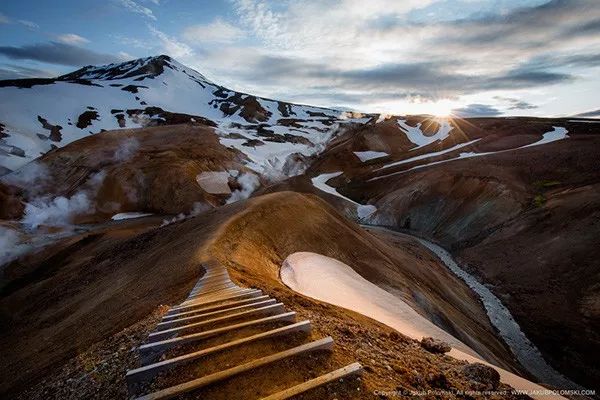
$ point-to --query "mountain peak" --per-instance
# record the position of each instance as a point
(141, 68)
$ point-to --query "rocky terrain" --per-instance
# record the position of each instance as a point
(515, 200)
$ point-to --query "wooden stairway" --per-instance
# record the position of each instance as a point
(224, 336)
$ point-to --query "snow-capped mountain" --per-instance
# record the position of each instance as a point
(37, 115)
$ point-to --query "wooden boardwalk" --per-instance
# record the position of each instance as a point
(216, 308)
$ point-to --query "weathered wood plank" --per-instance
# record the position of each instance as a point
(321, 344)
(332, 376)
(266, 310)
(168, 343)
(149, 371)
(217, 307)
(175, 322)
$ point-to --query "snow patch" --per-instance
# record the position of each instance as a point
(369, 155)
(428, 155)
(129, 215)
(418, 137)
(329, 280)
(558, 133)
(214, 182)
(320, 182)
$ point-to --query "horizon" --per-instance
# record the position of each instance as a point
(462, 58)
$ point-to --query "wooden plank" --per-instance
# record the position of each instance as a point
(178, 321)
(266, 310)
(332, 376)
(214, 280)
(252, 293)
(149, 371)
(214, 291)
(214, 308)
(216, 294)
(321, 344)
(205, 291)
(168, 343)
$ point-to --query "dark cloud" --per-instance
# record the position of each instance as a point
(516, 104)
(526, 27)
(589, 114)
(476, 110)
(426, 79)
(58, 53)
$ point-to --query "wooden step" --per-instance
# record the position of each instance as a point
(212, 292)
(228, 285)
(175, 322)
(217, 307)
(212, 281)
(251, 293)
(217, 293)
(266, 310)
(322, 344)
(332, 376)
(147, 372)
(168, 343)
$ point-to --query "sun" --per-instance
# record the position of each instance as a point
(440, 109)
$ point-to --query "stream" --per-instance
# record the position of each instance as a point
(524, 350)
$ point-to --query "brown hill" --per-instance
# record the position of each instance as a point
(88, 288)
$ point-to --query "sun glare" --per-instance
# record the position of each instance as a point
(440, 109)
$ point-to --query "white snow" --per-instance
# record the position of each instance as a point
(418, 137)
(585, 120)
(363, 211)
(331, 281)
(558, 133)
(428, 155)
(382, 117)
(129, 215)
(320, 182)
(214, 182)
(369, 155)
(177, 89)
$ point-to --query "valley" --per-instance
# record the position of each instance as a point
(379, 229)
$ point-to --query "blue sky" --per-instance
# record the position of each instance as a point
(476, 57)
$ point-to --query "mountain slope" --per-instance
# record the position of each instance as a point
(37, 115)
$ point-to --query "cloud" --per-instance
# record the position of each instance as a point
(28, 24)
(57, 53)
(351, 53)
(11, 71)
(218, 31)
(136, 8)
(476, 110)
(4, 19)
(71, 38)
(171, 45)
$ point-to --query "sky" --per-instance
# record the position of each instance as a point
(468, 57)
